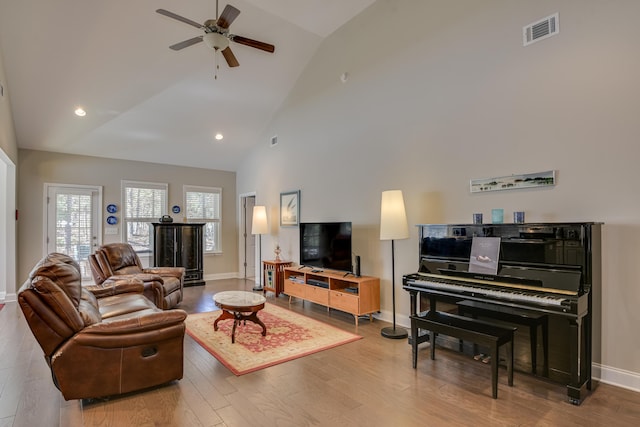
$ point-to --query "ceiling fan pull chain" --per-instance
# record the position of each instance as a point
(217, 65)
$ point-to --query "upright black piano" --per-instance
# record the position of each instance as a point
(549, 268)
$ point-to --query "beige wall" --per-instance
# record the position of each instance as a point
(39, 167)
(442, 92)
(8, 142)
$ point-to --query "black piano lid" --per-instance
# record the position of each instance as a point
(559, 254)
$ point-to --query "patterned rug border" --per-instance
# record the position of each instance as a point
(351, 337)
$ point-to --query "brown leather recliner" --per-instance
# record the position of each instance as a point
(162, 285)
(100, 340)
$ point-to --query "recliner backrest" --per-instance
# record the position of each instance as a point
(54, 303)
(121, 258)
(97, 271)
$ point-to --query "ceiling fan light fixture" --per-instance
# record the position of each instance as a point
(216, 41)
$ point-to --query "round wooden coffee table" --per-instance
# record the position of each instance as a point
(235, 305)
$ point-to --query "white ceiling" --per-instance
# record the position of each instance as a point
(144, 101)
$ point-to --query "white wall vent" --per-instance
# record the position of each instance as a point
(540, 30)
(274, 141)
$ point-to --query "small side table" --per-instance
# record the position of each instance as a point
(234, 305)
(273, 275)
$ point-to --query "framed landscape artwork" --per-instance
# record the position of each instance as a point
(290, 209)
(512, 182)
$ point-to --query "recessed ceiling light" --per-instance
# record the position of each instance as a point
(219, 137)
(80, 112)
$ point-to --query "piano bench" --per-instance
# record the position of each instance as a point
(528, 318)
(477, 331)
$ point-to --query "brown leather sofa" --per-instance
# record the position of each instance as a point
(100, 340)
(162, 285)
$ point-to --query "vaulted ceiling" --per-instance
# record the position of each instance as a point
(143, 100)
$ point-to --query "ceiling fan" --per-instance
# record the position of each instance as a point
(216, 34)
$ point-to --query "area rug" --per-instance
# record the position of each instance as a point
(289, 336)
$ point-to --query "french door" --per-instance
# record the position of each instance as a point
(72, 222)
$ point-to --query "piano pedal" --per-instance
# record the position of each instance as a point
(487, 359)
(480, 356)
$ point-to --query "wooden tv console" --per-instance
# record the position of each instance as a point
(355, 295)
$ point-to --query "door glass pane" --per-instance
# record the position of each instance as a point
(74, 227)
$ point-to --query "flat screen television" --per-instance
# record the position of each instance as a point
(326, 245)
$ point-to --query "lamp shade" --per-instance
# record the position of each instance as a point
(259, 223)
(393, 218)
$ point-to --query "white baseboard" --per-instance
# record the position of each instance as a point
(5, 297)
(615, 376)
(220, 276)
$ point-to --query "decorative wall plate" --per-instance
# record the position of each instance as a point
(112, 220)
(111, 208)
(175, 209)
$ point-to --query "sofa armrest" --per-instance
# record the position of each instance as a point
(144, 276)
(116, 285)
(177, 272)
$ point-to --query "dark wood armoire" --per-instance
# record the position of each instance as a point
(180, 245)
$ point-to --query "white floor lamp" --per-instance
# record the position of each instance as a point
(393, 226)
(259, 226)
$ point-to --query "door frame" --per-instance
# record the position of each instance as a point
(244, 221)
(8, 224)
(98, 219)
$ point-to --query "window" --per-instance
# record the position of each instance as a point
(203, 204)
(143, 203)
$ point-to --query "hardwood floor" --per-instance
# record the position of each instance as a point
(366, 383)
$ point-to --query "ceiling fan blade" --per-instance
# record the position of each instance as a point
(186, 43)
(253, 43)
(230, 57)
(179, 18)
(229, 14)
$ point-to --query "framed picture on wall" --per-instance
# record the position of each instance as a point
(290, 209)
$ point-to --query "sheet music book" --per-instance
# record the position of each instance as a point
(485, 252)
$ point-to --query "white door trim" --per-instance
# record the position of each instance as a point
(8, 247)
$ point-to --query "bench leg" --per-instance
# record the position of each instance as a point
(495, 355)
(510, 362)
(432, 343)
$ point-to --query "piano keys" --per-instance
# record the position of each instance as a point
(550, 268)
(554, 301)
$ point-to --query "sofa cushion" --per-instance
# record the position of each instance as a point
(122, 304)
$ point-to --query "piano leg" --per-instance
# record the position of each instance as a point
(413, 298)
(580, 379)
(414, 342)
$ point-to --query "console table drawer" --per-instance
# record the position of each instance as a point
(317, 295)
(343, 301)
(294, 289)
